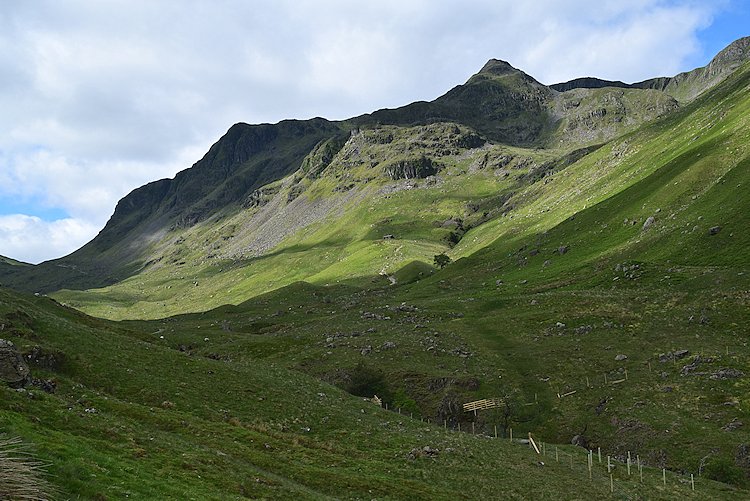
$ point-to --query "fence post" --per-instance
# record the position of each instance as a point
(599, 451)
(495, 431)
(664, 475)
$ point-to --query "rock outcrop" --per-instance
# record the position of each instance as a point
(13, 368)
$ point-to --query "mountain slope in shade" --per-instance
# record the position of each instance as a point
(245, 158)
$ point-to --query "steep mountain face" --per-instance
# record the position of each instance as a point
(244, 159)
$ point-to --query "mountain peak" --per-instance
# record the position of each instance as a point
(498, 67)
(732, 55)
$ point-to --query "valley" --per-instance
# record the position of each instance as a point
(229, 326)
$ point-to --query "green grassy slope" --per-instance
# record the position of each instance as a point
(133, 416)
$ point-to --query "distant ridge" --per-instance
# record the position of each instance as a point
(589, 83)
(684, 86)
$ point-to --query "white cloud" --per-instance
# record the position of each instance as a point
(37, 240)
(100, 97)
(86, 191)
(644, 42)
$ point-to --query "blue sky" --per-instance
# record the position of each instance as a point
(727, 25)
(99, 98)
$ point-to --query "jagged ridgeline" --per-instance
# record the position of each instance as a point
(575, 254)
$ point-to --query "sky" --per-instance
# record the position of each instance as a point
(98, 97)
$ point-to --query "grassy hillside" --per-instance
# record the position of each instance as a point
(133, 416)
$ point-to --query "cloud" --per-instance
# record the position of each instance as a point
(37, 240)
(99, 98)
(85, 190)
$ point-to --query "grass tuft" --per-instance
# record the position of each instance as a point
(21, 474)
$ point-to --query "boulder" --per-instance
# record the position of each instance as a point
(714, 230)
(621, 357)
(649, 221)
(742, 456)
(580, 441)
(13, 368)
(727, 374)
(452, 224)
(732, 425)
(673, 355)
(680, 354)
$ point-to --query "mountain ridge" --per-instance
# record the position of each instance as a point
(501, 103)
(683, 86)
